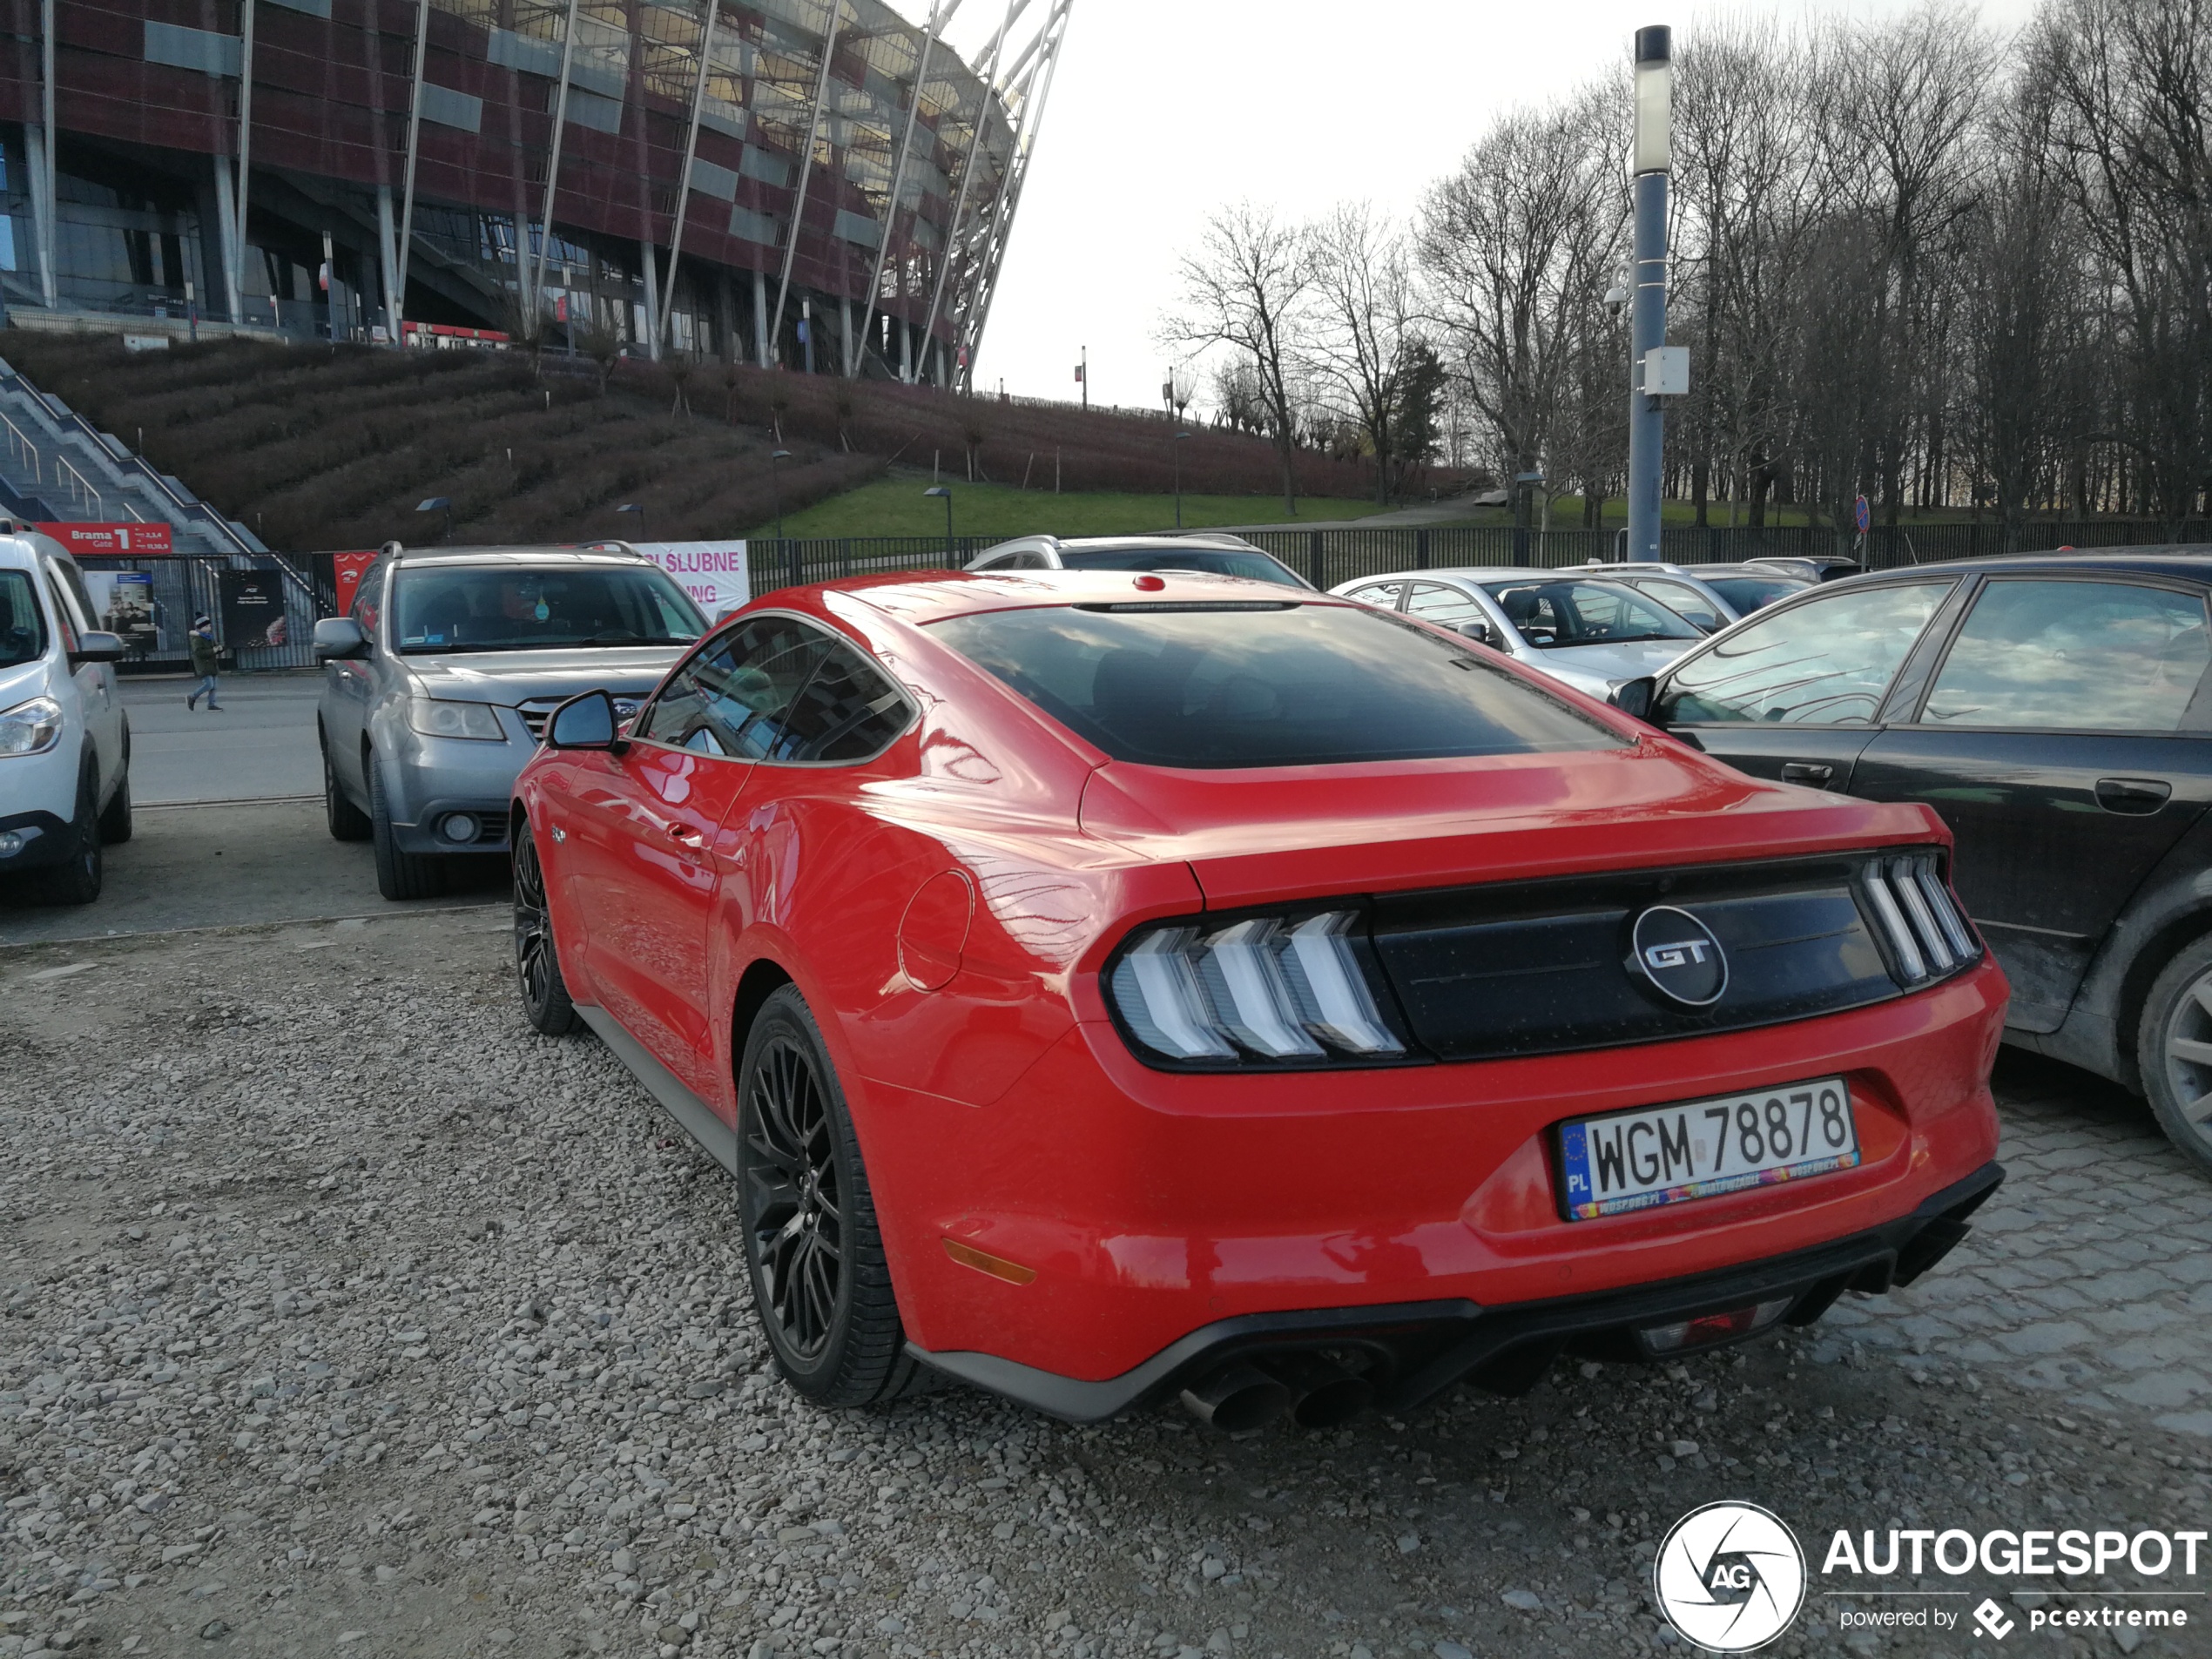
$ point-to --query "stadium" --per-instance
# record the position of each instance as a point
(820, 184)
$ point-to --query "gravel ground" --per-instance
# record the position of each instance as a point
(345, 1315)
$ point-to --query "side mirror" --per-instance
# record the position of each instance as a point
(585, 721)
(339, 639)
(96, 648)
(1637, 698)
(1478, 630)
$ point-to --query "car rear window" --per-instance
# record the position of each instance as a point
(505, 607)
(1228, 684)
(23, 628)
(1253, 566)
(1748, 593)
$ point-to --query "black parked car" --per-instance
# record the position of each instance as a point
(2057, 711)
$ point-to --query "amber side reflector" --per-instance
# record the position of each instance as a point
(983, 1262)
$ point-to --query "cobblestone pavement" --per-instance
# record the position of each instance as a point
(342, 1315)
(2090, 1273)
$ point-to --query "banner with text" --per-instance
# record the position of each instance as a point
(713, 573)
(113, 540)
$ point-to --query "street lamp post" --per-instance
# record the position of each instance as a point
(1179, 438)
(439, 504)
(639, 508)
(776, 486)
(940, 490)
(1650, 373)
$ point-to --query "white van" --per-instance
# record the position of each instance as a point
(64, 739)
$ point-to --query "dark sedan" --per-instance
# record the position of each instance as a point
(2057, 711)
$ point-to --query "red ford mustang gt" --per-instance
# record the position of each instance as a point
(1107, 987)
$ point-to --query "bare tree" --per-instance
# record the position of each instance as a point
(2133, 111)
(1367, 343)
(1249, 288)
(1517, 242)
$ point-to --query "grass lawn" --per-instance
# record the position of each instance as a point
(896, 506)
(1567, 514)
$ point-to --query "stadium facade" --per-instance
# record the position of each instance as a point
(822, 183)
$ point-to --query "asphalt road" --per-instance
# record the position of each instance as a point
(259, 745)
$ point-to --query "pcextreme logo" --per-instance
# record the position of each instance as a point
(1730, 1577)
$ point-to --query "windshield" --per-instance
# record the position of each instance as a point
(502, 607)
(1253, 566)
(23, 628)
(1555, 615)
(1747, 593)
(1228, 684)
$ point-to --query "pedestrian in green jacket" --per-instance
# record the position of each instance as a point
(205, 661)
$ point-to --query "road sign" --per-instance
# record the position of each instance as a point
(1862, 518)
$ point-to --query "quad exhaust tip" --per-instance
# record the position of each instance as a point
(1318, 1394)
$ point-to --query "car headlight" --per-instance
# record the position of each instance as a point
(436, 718)
(1282, 990)
(30, 728)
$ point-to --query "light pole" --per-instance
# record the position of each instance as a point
(439, 504)
(639, 508)
(1179, 438)
(940, 490)
(776, 486)
(1650, 372)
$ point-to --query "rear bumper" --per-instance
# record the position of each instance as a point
(1413, 1350)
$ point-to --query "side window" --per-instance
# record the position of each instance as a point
(733, 696)
(1016, 561)
(1685, 602)
(848, 711)
(1381, 595)
(88, 614)
(1824, 662)
(368, 604)
(1447, 607)
(2073, 656)
(64, 613)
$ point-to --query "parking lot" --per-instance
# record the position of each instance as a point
(344, 1314)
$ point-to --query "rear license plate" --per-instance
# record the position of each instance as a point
(1700, 1149)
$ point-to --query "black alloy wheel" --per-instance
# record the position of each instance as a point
(537, 967)
(820, 1281)
(797, 1222)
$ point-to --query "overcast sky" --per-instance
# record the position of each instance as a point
(1165, 109)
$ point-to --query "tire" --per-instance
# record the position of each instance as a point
(400, 875)
(538, 969)
(347, 822)
(77, 880)
(115, 816)
(2174, 1049)
(821, 1288)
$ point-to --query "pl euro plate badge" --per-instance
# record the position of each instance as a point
(1700, 1149)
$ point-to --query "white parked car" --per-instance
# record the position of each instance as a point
(64, 739)
(1590, 632)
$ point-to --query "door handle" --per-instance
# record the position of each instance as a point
(2132, 797)
(1807, 771)
(686, 834)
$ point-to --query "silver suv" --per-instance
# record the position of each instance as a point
(437, 685)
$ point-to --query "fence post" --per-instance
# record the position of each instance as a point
(1314, 559)
(1420, 549)
(793, 564)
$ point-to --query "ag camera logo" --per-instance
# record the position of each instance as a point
(1730, 1577)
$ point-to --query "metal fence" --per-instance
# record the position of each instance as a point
(185, 586)
(1328, 557)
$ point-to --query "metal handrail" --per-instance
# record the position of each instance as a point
(25, 444)
(84, 489)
